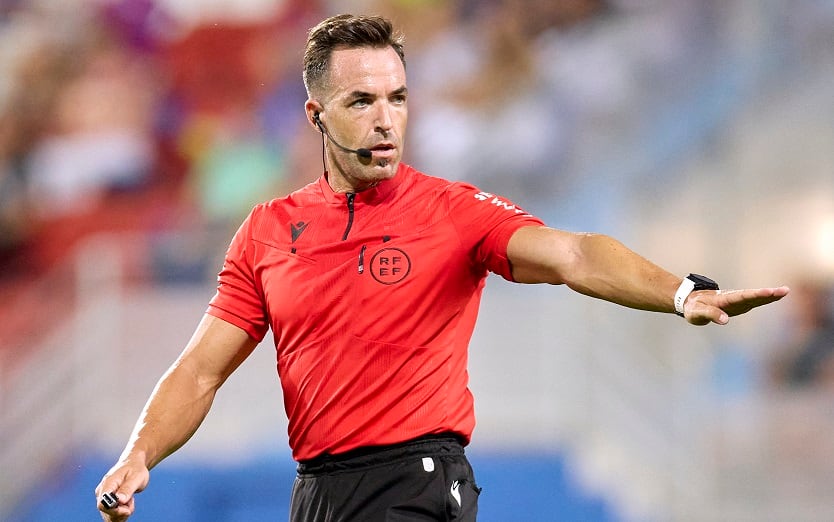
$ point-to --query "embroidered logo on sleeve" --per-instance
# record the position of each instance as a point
(498, 202)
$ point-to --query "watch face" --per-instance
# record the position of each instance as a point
(702, 282)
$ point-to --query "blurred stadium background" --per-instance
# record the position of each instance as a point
(136, 134)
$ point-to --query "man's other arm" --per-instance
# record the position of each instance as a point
(176, 408)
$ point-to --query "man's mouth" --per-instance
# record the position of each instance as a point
(383, 150)
(382, 147)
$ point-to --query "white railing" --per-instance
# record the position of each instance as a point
(47, 394)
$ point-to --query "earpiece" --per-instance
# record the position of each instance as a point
(362, 152)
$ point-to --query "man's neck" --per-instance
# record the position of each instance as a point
(342, 186)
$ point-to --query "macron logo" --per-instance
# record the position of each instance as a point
(297, 229)
(491, 198)
(455, 490)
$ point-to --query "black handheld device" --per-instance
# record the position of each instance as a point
(109, 500)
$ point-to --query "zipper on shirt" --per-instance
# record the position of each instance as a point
(350, 197)
(362, 259)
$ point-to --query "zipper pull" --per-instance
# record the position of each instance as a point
(362, 259)
(349, 197)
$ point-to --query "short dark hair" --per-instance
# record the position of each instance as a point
(345, 31)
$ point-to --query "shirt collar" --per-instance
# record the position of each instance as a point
(375, 194)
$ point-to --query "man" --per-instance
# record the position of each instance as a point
(370, 280)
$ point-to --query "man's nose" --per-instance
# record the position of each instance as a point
(384, 123)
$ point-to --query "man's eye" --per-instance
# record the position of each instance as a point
(398, 99)
(360, 103)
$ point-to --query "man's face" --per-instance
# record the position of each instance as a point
(363, 105)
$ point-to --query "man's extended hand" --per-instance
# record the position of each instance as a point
(717, 306)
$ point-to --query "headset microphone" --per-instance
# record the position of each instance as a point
(362, 153)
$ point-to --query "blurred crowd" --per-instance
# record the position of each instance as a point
(176, 116)
(118, 116)
(804, 358)
(173, 117)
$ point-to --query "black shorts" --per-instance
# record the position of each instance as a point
(428, 479)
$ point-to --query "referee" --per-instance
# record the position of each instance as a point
(370, 279)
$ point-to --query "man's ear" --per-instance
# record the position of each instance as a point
(313, 109)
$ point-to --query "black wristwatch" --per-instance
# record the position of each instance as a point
(691, 283)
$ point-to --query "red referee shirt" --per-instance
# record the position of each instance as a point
(372, 299)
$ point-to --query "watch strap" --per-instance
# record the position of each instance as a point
(686, 288)
(689, 284)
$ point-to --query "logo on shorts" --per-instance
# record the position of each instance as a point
(390, 266)
(455, 490)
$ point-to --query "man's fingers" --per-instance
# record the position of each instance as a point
(121, 511)
(766, 295)
(114, 499)
(709, 306)
(737, 302)
(702, 314)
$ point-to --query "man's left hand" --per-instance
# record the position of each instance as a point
(717, 306)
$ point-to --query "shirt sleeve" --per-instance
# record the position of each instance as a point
(239, 297)
(486, 222)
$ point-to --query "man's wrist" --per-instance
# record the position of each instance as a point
(691, 283)
(134, 456)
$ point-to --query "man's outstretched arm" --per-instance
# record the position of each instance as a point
(175, 409)
(600, 266)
